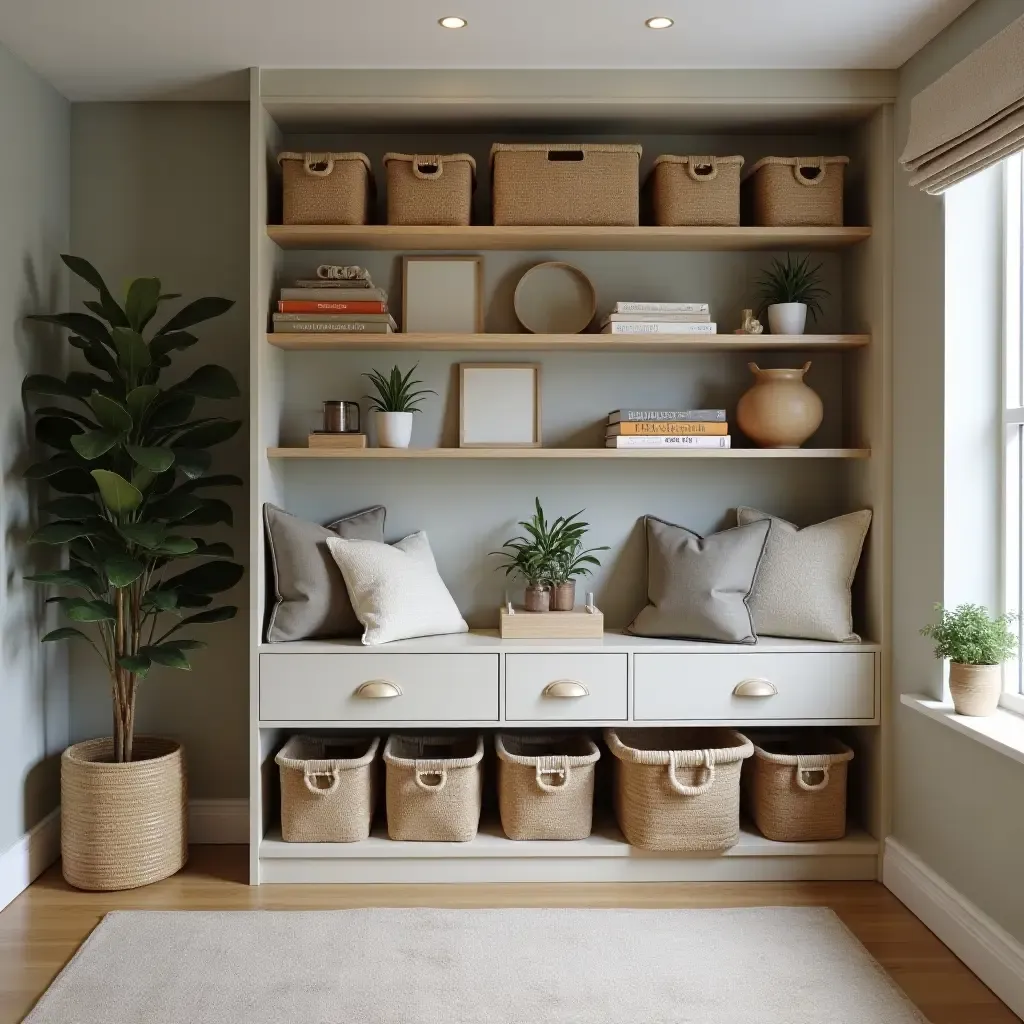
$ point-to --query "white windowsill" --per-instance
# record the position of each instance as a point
(1002, 732)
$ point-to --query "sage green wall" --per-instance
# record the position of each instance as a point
(34, 212)
(161, 189)
(956, 803)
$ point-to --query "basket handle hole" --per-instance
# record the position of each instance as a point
(565, 155)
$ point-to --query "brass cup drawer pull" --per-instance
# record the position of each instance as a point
(379, 689)
(565, 688)
(755, 688)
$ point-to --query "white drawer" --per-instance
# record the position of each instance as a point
(753, 687)
(402, 687)
(565, 687)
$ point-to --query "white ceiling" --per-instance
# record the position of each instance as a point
(151, 49)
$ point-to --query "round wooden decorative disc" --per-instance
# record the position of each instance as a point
(555, 298)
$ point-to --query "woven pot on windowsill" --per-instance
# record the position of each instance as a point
(122, 825)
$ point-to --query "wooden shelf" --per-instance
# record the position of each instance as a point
(567, 342)
(489, 238)
(568, 453)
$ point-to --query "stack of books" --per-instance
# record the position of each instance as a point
(334, 307)
(659, 318)
(667, 428)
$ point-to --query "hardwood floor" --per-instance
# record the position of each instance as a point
(41, 929)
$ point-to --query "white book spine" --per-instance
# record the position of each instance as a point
(674, 441)
(656, 318)
(662, 307)
(658, 327)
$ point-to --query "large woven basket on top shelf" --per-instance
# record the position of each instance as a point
(434, 787)
(122, 825)
(678, 789)
(696, 191)
(430, 189)
(565, 184)
(546, 785)
(796, 191)
(797, 788)
(328, 788)
(326, 188)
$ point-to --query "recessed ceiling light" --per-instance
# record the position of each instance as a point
(453, 23)
(659, 22)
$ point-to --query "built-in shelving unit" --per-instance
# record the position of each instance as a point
(568, 453)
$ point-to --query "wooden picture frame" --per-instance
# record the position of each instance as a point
(442, 295)
(499, 405)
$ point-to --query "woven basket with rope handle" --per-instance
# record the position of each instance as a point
(326, 188)
(696, 191)
(796, 191)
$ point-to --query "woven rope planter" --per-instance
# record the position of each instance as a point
(434, 787)
(797, 191)
(678, 789)
(430, 189)
(798, 788)
(975, 689)
(328, 788)
(122, 825)
(325, 188)
(696, 191)
(566, 184)
(546, 785)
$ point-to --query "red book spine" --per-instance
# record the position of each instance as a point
(303, 306)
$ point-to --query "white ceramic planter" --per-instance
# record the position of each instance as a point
(787, 317)
(975, 689)
(394, 429)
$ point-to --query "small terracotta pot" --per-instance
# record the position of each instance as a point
(538, 598)
(563, 596)
(975, 689)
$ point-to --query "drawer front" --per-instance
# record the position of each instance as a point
(379, 687)
(753, 687)
(565, 687)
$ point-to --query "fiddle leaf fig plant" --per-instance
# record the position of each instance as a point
(129, 467)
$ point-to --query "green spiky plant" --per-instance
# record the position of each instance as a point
(130, 463)
(396, 393)
(794, 280)
(969, 635)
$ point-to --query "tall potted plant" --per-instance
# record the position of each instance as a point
(976, 644)
(130, 464)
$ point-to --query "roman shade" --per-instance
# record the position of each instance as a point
(971, 117)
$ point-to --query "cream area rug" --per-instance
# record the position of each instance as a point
(763, 966)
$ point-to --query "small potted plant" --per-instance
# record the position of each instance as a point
(976, 644)
(789, 290)
(395, 402)
(568, 559)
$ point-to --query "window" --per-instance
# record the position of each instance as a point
(1013, 416)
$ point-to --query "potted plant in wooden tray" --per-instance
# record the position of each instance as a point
(395, 402)
(528, 557)
(789, 291)
(129, 466)
(976, 644)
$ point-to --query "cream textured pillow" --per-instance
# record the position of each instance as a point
(395, 589)
(803, 583)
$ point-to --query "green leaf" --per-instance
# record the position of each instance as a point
(78, 323)
(118, 495)
(217, 480)
(80, 418)
(143, 479)
(174, 506)
(112, 312)
(156, 460)
(138, 664)
(166, 654)
(85, 384)
(221, 614)
(179, 340)
(122, 571)
(71, 508)
(215, 432)
(142, 300)
(139, 399)
(187, 645)
(94, 444)
(44, 384)
(74, 577)
(170, 410)
(95, 354)
(111, 415)
(55, 464)
(59, 533)
(209, 381)
(65, 633)
(193, 600)
(132, 352)
(212, 512)
(178, 547)
(196, 312)
(57, 432)
(145, 535)
(72, 481)
(193, 462)
(209, 578)
(161, 600)
(89, 611)
(216, 550)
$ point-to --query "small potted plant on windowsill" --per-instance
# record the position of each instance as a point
(395, 402)
(569, 559)
(976, 644)
(789, 291)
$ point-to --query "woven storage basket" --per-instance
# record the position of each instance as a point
(797, 191)
(797, 788)
(434, 787)
(122, 825)
(328, 788)
(430, 189)
(326, 188)
(689, 191)
(678, 789)
(546, 785)
(566, 184)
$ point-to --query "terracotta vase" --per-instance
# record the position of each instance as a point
(563, 596)
(975, 689)
(538, 598)
(780, 410)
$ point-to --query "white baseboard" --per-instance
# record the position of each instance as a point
(991, 952)
(29, 857)
(218, 821)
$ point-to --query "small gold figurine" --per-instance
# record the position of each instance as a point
(750, 325)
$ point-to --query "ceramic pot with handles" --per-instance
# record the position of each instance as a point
(780, 410)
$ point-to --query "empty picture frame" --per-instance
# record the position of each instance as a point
(442, 294)
(499, 405)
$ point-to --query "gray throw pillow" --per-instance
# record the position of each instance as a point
(803, 587)
(309, 599)
(698, 586)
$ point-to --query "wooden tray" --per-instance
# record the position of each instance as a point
(579, 624)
